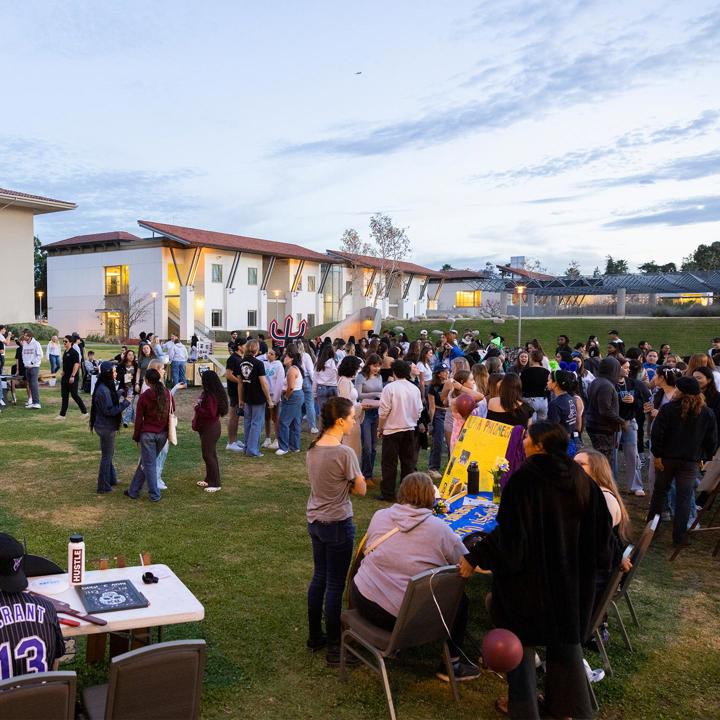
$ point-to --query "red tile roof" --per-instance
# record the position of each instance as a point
(96, 238)
(376, 263)
(225, 241)
(528, 274)
(464, 275)
(27, 199)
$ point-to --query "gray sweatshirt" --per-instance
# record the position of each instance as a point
(424, 542)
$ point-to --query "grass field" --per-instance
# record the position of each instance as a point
(245, 554)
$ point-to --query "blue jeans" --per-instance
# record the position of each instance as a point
(332, 546)
(161, 458)
(540, 405)
(150, 446)
(177, 369)
(253, 421)
(438, 440)
(628, 438)
(290, 420)
(324, 392)
(683, 474)
(54, 363)
(107, 476)
(368, 437)
(309, 402)
(128, 414)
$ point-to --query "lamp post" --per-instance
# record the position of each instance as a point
(520, 289)
(154, 297)
(40, 294)
(276, 293)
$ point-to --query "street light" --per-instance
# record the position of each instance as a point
(520, 289)
(154, 297)
(276, 293)
(40, 294)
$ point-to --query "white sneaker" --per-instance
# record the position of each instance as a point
(35, 406)
(267, 442)
(161, 485)
(314, 430)
(273, 445)
(28, 403)
(281, 452)
(235, 447)
(2, 403)
(639, 493)
(59, 417)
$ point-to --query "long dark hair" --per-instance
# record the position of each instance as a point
(152, 378)
(349, 366)
(372, 359)
(333, 409)
(327, 352)
(710, 392)
(292, 352)
(107, 380)
(212, 386)
(510, 392)
(552, 437)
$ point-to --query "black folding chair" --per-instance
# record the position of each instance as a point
(705, 511)
(427, 612)
(39, 696)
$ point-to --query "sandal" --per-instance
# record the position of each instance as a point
(201, 483)
(212, 489)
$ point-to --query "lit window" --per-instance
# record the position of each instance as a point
(252, 318)
(252, 276)
(432, 305)
(113, 324)
(311, 283)
(116, 280)
(217, 273)
(468, 298)
(216, 318)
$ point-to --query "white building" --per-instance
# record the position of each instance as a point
(193, 280)
(17, 213)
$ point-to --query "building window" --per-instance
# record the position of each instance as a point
(252, 276)
(311, 283)
(216, 318)
(252, 318)
(116, 280)
(432, 305)
(298, 318)
(299, 285)
(113, 324)
(468, 298)
(311, 319)
(348, 287)
(217, 273)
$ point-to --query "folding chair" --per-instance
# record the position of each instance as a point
(706, 510)
(159, 682)
(636, 558)
(426, 615)
(39, 696)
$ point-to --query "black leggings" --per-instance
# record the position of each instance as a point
(383, 619)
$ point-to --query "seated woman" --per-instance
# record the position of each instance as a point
(421, 541)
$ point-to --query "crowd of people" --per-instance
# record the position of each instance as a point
(576, 411)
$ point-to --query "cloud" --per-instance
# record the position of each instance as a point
(690, 211)
(542, 78)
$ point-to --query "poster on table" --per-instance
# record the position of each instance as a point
(481, 440)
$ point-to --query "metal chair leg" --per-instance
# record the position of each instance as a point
(631, 608)
(593, 697)
(623, 631)
(450, 672)
(343, 652)
(603, 653)
(386, 686)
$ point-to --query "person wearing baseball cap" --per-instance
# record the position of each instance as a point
(684, 433)
(29, 625)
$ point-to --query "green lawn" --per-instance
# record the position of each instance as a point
(245, 553)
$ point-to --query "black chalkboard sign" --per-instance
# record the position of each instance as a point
(111, 596)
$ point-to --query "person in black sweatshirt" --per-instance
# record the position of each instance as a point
(602, 417)
(684, 433)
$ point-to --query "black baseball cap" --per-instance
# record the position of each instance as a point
(12, 575)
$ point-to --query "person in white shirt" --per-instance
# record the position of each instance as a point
(32, 356)
(325, 377)
(308, 367)
(275, 374)
(53, 353)
(178, 356)
(399, 412)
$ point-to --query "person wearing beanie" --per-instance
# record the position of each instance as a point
(30, 633)
(602, 410)
(684, 433)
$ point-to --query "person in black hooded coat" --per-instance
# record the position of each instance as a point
(553, 537)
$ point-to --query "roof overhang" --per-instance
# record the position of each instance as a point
(38, 206)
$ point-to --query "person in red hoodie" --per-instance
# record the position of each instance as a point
(212, 405)
(151, 433)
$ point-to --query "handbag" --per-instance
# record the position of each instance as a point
(172, 426)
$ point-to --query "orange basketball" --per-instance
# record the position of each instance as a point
(502, 650)
(464, 404)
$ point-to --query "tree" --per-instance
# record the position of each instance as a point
(705, 257)
(615, 267)
(573, 270)
(390, 245)
(653, 267)
(40, 266)
(446, 267)
(490, 269)
(134, 308)
(596, 272)
(534, 265)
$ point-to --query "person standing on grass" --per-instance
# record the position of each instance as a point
(129, 377)
(178, 361)
(3, 341)
(151, 434)
(334, 475)
(105, 411)
(325, 376)
(399, 412)
(53, 353)
(602, 414)
(292, 402)
(70, 379)
(253, 397)
(275, 374)
(32, 356)
(212, 405)
(232, 378)
(347, 372)
(369, 386)
(308, 366)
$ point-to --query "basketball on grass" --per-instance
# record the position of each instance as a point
(464, 405)
(502, 650)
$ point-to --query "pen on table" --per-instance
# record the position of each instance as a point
(67, 621)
